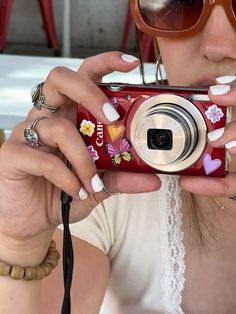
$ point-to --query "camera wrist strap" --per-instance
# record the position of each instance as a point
(68, 254)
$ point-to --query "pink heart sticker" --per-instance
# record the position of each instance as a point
(211, 165)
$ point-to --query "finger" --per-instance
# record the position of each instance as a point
(126, 182)
(98, 66)
(225, 187)
(63, 85)
(115, 182)
(224, 137)
(19, 161)
(62, 134)
(223, 94)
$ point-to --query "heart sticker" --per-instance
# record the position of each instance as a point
(211, 165)
(115, 131)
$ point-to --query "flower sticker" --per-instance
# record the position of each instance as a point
(92, 152)
(214, 114)
(115, 102)
(87, 128)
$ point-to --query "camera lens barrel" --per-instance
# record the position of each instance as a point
(168, 132)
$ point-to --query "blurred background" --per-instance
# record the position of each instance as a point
(96, 26)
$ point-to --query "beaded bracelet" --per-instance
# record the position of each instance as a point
(32, 272)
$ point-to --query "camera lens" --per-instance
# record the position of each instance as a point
(159, 139)
(168, 132)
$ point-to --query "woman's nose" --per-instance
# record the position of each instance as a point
(218, 40)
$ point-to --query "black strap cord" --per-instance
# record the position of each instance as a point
(68, 255)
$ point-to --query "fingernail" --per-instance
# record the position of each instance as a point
(226, 79)
(219, 89)
(129, 58)
(231, 144)
(110, 112)
(215, 135)
(83, 195)
(97, 184)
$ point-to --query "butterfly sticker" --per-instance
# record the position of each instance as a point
(117, 155)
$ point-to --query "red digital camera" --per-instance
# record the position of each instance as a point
(161, 129)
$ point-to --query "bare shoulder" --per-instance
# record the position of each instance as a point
(91, 273)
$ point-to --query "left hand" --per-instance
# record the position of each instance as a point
(219, 187)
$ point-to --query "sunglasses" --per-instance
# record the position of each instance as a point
(176, 18)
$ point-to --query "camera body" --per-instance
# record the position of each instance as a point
(161, 129)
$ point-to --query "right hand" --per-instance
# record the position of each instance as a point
(31, 179)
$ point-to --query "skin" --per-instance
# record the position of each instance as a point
(215, 54)
(31, 179)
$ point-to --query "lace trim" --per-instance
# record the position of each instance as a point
(173, 252)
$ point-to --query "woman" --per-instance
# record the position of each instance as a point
(126, 244)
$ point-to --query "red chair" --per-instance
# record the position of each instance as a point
(128, 24)
(147, 49)
(48, 20)
(5, 11)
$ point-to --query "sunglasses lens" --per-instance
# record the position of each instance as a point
(234, 7)
(171, 15)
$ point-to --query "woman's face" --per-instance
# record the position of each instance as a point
(198, 60)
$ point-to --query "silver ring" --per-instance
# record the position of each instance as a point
(31, 135)
(38, 98)
(106, 190)
(233, 198)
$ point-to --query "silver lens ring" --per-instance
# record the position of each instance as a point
(187, 123)
(184, 120)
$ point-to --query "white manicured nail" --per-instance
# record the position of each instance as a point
(226, 79)
(110, 112)
(219, 89)
(231, 144)
(129, 58)
(215, 135)
(83, 195)
(97, 184)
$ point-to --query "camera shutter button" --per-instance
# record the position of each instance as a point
(115, 87)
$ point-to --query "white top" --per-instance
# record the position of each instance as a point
(141, 234)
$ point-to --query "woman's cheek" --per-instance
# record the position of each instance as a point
(177, 57)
